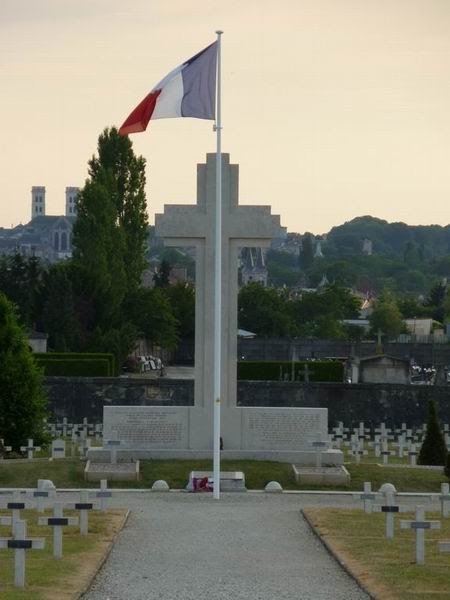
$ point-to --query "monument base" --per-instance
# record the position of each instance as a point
(230, 481)
(98, 470)
(321, 475)
(330, 457)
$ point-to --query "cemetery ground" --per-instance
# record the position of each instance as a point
(48, 578)
(385, 567)
(68, 473)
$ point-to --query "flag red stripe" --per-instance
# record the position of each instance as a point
(141, 115)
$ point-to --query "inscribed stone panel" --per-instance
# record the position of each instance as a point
(153, 427)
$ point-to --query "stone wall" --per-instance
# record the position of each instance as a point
(351, 403)
(76, 398)
(261, 348)
(283, 349)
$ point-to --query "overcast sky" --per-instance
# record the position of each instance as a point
(332, 108)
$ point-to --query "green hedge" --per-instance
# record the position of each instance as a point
(96, 367)
(325, 370)
(81, 356)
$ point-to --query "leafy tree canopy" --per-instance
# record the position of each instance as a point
(22, 399)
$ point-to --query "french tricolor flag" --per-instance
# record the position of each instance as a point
(187, 91)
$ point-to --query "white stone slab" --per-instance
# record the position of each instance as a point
(321, 475)
(152, 427)
(282, 428)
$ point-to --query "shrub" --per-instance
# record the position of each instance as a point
(22, 398)
(433, 450)
(447, 466)
(75, 367)
(326, 370)
(45, 358)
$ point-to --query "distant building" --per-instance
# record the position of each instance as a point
(380, 369)
(37, 341)
(318, 250)
(367, 247)
(323, 282)
(253, 266)
(46, 236)
(287, 242)
(419, 327)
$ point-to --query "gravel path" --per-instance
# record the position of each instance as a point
(246, 546)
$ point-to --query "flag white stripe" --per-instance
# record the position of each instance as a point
(168, 104)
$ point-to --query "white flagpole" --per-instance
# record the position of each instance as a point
(218, 280)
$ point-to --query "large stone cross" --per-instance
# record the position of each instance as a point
(194, 225)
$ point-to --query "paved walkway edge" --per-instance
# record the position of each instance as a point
(342, 564)
(102, 560)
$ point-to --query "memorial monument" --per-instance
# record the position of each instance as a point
(284, 434)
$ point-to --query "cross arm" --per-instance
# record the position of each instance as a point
(181, 220)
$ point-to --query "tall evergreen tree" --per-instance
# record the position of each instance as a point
(99, 249)
(433, 450)
(306, 252)
(127, 190)
(109, 241)
(22, 399)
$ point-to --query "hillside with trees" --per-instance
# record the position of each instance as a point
(403, 258)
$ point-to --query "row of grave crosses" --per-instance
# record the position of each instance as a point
(44, 496)
(406, 440)
(409, 434)
(58, 448)
(75, 430)
(388, 505)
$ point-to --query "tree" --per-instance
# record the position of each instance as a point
(386, 318)
(306, 252)
(20, 280)
(127, 190)
(22, 399)
(436, 301)
(433, 450)
(58, 315)
(161, 277)
(319, 314)
(152, 315)
(263, 311)
(182, 300)
(99, 249)
(447, 466)
(109, 239)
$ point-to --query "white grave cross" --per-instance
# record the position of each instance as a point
(30, 449)
(419, 525)
(58, 521)
(103, 494)
(386, 453)
(444, 498)
(367, 497)
(15, 505)
(389, 508)
(19, 543)
(84, 506)
(412, 453)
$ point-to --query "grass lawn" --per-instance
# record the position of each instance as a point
(47, 578)
(66, 473)
(386, 567)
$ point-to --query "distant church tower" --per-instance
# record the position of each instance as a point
(71, 201)
(318, 251)
(37, 201)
